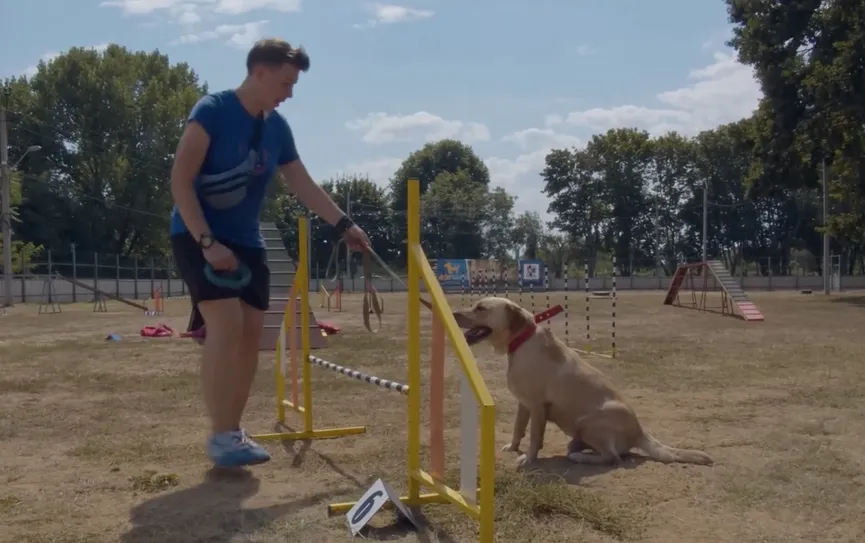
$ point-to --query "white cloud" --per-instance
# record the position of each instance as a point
(586, 50)
(240, 35)
(383, 14)
(185, 14)
(379, 170)
(236, 7)
(51, 55)
(722, 92)
(521, 175)
(188, 12)
(381, 128)
(532, 138)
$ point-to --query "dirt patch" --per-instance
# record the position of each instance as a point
(103, 441)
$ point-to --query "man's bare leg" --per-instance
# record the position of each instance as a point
(224, 380)
(247, 357)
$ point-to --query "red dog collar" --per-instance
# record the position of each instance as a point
(530, 330)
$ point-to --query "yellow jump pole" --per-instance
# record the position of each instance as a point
(413, 462)
(303, 255)
(300, 286)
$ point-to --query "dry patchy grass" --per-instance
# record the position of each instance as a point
(103, 441)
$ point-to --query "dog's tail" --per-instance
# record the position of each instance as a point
(663, 453)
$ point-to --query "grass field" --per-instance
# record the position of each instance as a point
(103, 441)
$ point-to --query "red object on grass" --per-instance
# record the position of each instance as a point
(162, 330)
(329, 328)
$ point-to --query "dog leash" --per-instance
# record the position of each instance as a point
(371, 298)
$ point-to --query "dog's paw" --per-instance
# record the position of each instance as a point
(510, 447)
(525, 461)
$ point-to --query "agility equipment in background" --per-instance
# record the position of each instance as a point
(282, 277)
(695, 276)
(48, 299)
(475, 495)
(482, 285)
(331, 300)
(599, 295)
(158, 304)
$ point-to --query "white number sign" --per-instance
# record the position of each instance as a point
(371, 502)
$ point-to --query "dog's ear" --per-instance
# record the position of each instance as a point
(516, 319)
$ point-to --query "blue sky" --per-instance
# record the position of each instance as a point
(512, 79)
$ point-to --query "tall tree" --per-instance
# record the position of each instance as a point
(449, 161)
(499, 225)
(368, 209)
(528, 234)
(809, 56)
(600, 193)
(108, 124)
(454, 210)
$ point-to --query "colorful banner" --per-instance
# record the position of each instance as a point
(452, 272)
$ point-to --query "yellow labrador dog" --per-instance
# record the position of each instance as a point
(551, 382)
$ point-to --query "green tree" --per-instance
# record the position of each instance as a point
(454, 210)
(446, 160)
(672, 179)
(368, 209)
(528, 234)
(499, 225)
(600, 194)
(809, 56)
(22, 252)
(108, 125)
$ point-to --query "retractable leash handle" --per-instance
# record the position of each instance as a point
(235, 279)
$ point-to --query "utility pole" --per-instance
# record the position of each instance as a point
(705, 220)
(6, 215)
(347, 248)
(827, 278)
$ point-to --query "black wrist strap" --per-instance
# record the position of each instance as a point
(343, 224)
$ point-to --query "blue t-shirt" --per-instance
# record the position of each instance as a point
(233, 178)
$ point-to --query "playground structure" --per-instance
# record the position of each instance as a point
(481, 285)
(696, 277)
(475, 495)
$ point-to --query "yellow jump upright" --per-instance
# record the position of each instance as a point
(299, 286)
(475, 495)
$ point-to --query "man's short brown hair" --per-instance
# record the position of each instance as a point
(274, 53)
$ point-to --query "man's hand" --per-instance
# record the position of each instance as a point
(220, 257)
(356, 239)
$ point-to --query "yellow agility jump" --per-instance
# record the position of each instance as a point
(476, 493)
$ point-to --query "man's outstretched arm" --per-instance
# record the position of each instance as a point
(310, 193)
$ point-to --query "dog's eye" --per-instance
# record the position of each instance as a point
(480, 308)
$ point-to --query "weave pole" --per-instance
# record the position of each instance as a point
(612, 295)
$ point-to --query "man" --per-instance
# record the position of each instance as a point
(233, 144)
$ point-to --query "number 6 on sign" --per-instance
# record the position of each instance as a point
(371, 502)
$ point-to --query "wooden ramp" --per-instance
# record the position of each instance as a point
(732, 293)
(746, 307)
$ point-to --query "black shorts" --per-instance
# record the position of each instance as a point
(190, 263)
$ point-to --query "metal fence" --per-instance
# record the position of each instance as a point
(138, 278)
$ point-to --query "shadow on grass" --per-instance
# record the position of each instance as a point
(856, 301)
(560, 468)
(211, 511)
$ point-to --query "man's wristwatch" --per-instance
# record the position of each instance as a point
(343, 224)
(205, 240)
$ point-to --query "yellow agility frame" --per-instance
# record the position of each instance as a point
(482, 508)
